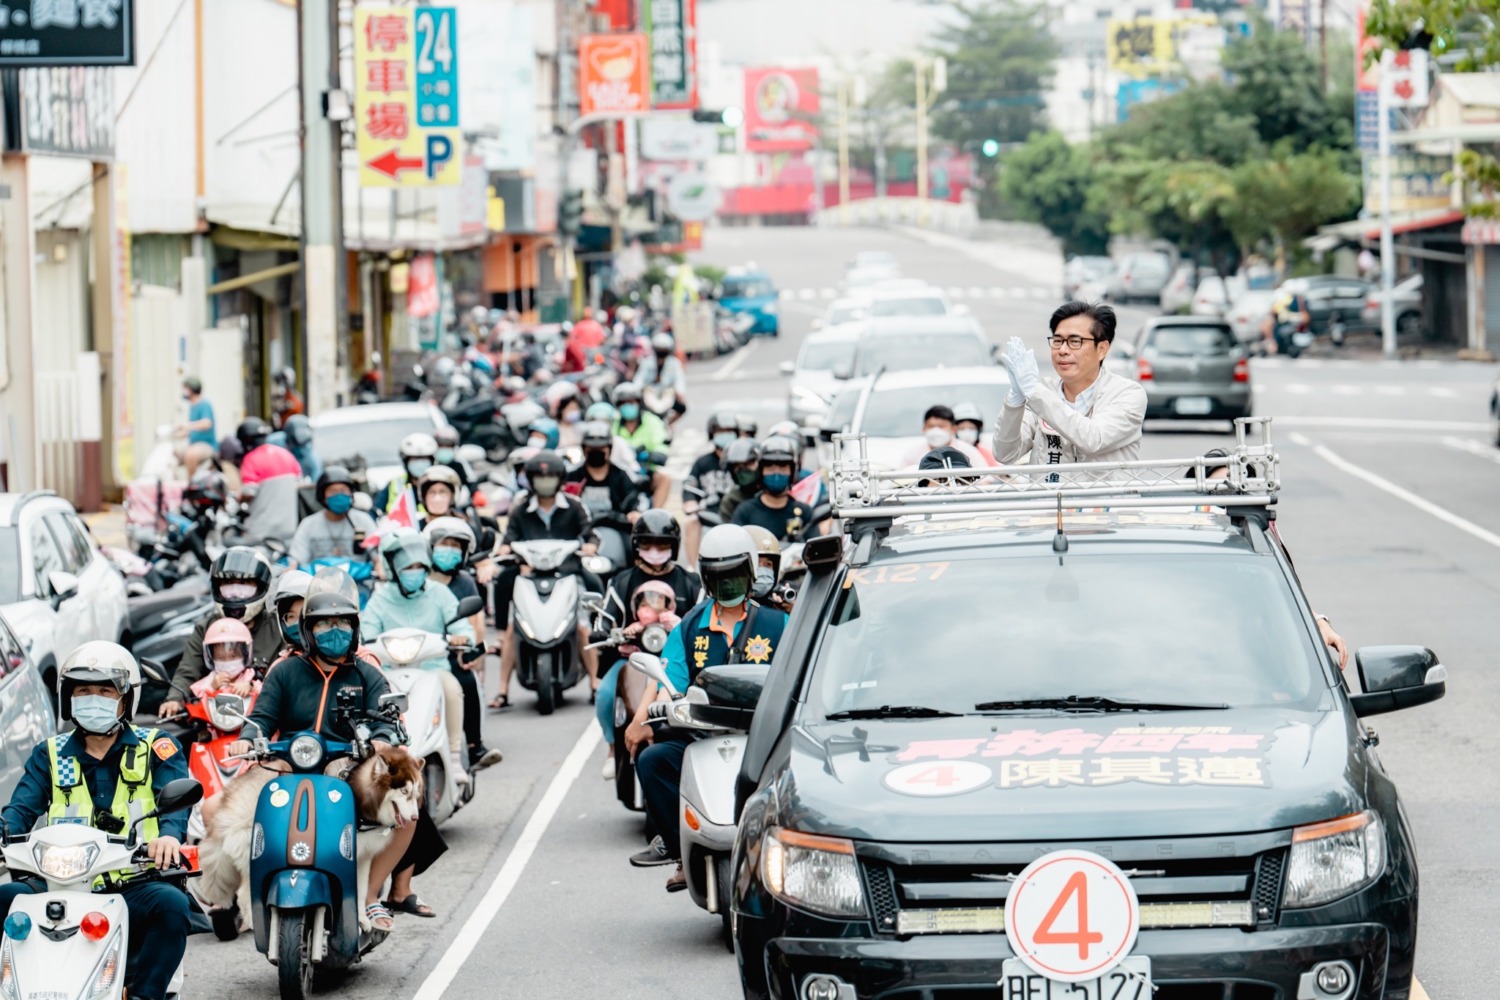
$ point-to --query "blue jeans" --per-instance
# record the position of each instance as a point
(604, 702)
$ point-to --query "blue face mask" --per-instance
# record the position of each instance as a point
(776, 482)
(412, 580)
(292, 632)
(629, 412)
(722, 441)
(334, 642)
(445, 455)
(339, 503)
(96, 713)
(447, 560)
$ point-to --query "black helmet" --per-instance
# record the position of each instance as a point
(236, 568)
(252, 433)
(325, 609)
(655, 525)
(779, 451)
(546, 467)
(207, 490)
(742, 451)
(723, 420)
(332, 474)
(625, 392)
(597, 434)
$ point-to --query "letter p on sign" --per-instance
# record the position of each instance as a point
(1072, 916)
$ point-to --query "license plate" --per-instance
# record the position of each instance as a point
(1195, 406)
(1302, 339)
(1130, 980)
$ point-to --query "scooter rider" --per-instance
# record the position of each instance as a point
(240, 580)
(437, 492)
(418, 452)
(774, 508)
(726, 628)
(743, 460)
(106, 774)
(340, 530)
(708, 480)
(604, 487)
(663, 369)
(300, 693)
(447, 455)
(768, 569)
(451, 542)
(647, 435)
(286, 604)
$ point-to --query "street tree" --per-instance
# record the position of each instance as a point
(1050, 181)
(1287, 196)
(1278, 83)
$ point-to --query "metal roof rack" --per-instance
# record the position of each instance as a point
(1252, 480)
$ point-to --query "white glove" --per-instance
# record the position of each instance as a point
(1025, 377)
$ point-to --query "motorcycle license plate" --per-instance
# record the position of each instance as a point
(1194, 406)
(1302, 339)
(1130, 980)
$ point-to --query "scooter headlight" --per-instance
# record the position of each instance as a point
(404, 649)
(64, 863)
(306, 752)
(596, 564)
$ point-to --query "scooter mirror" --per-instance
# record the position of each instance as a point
(651, 665)
(394, 698)
(154, 672)
(467, 608)
(362, 501)
(176, 795)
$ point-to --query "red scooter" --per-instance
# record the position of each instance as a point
(217, 719)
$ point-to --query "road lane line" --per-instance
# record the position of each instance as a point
(1474, 448)
(1383, 424)
(1400, 493)
(733, 364)
(469, 935)
(1417, 992)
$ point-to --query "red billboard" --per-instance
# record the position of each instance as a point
(781, 109)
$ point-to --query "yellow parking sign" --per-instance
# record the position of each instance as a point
(406, 96)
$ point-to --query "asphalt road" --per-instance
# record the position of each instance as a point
(1388, 507)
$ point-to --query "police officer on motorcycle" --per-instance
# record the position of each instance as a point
(107, 774)
(726, 628)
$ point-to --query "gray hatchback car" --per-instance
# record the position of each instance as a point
(1192, 368)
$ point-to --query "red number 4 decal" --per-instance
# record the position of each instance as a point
(1077, 888)
(941, 776)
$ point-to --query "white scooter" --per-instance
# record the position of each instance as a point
(401, 652)
(70, 941)
(706, 820)
(546, 609)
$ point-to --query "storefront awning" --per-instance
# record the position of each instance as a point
(1368, 230)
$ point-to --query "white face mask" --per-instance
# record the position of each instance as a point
(968, 435)
(937, 437)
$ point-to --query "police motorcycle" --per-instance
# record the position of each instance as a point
(71, 940)
(653, 639)
(716, 709)
(305, 895)
(402, 651)
(545, 610)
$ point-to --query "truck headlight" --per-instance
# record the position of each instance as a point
(814, 873)
(1333, 859)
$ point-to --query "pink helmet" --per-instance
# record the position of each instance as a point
(226, 646)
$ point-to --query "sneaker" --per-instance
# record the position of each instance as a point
(678, 881)
(655, 854)
(481, 757)
(607, 772)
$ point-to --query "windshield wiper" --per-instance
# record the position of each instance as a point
(1092, 703)
(891, 712)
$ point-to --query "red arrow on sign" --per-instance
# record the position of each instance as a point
(1404, 89)
(391, 163)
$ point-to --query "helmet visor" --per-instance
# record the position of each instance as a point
(238, 591)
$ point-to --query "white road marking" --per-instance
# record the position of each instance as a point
(1345, 390)
(1475, 448)
(1383, 424)
(468, 937)
(828, 293)
(806, 294)
(998, 293)
(787, 293)
(1442, 392)
(1400, 493)
(1298, 388)
(976, 293)
(1041, 293)
(955, 292)
(1019, 293)
(733, 364)
(1390, 390)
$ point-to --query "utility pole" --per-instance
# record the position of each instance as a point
(325, 320)
(843, 151)
(1387, 239)
(939, 84)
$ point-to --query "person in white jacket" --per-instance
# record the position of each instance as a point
(1085, 414)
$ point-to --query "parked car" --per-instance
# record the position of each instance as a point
(57, 590)
(371, 435)
(1407, 298)
(1332, 295)
(1177, 294)
(1192, 367)
(1081, 270)
(1214, 293)
(1247, 313)
(26, 708)
(813, 379)
(1141, 277)
(752, 292)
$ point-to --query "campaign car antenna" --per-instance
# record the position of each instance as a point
(1059, 540)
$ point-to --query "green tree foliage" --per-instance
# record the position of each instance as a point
(1050, 181)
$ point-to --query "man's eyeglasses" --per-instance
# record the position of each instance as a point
(1074, 342)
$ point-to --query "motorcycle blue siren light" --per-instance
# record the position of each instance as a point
(94, 925)
(17, 926)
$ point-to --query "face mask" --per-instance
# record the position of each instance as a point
(96, 713)
(724, 440)
(776, 482)
(447, 560)
(229, 668)
(731, 593)
(596, 459)
(765, 579)
(438, 502)
(662, 355)
(292, 632)
(334, 642)
(540, 444)
(968, 435)
(416, 468)
(572, 417)
(412, 580)
(629, 412)
(937, 437)
(445, 455)
(656, 557)
(547, 486)
(339, 503)
(746, 477)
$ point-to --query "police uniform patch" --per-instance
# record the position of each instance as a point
(164, 747)
(67, 772)
(758, 650)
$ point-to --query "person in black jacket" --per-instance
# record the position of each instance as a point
(605, 488)
(542, 513)
(300, 693)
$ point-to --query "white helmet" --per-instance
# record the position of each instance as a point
(418, 445)
(441, 528)
(662, 342)
(727, 562)
(99, 662)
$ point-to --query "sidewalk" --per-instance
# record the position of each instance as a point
(108, 525)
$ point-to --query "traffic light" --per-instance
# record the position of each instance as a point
(990, 148)
(731, 117)
(570, 213)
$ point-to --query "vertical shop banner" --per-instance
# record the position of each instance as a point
(613, 75)
(781, 109)
(1366, 87)
(406, 96)
(671, 32)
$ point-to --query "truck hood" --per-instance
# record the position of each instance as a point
(1009, 778)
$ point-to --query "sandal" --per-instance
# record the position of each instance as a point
(376, 912)
(411, 904)
(500, 702)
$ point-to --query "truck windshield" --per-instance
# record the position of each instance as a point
(1220, 629)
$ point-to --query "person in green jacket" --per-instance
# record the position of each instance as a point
(645, 432)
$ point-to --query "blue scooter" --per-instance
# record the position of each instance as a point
(304, 891)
